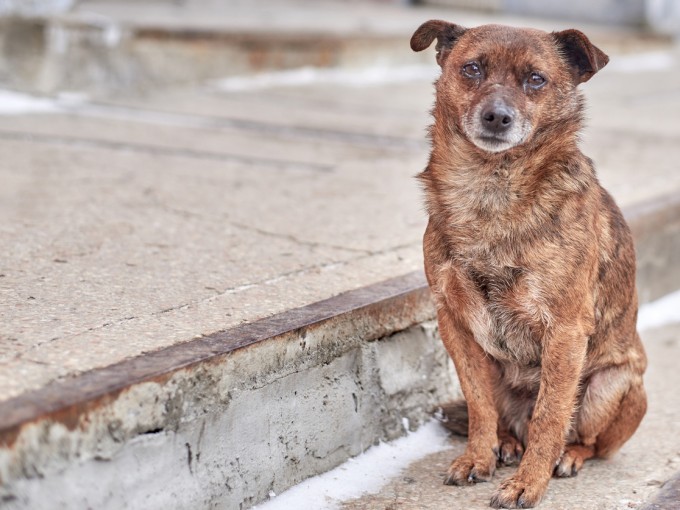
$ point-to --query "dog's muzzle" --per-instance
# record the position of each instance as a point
(496, 126)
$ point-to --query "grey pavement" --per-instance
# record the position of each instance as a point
(630, 479)
(134, 223)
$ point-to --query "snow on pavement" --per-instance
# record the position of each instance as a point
(372, 76)
(662, 312)
(15, 103)
(367, 473)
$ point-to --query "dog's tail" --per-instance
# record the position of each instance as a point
(454, 416)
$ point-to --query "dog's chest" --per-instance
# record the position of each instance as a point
(485, 216)
(508, 316)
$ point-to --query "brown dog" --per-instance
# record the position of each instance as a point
(529, 259)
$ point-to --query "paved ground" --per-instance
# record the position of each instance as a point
(136, 223)
(630, 479)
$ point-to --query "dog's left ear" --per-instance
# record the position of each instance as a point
(584, 57)
(446, 34)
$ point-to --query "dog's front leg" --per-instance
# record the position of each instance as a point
(563, 356)
(476, 374)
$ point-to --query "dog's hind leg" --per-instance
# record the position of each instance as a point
(628, 417)
(612, 407)
(572, 459)
(455, 418)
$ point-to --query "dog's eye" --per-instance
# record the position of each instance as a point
(472, 70)
(535, 80)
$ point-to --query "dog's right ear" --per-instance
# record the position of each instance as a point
(446, 34)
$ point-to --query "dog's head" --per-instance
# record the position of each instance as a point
(501, 84)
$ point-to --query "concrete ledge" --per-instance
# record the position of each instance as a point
(222, 420)
(656, 229)
(225, 419)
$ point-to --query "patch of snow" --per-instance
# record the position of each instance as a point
(365, 474)
(661, 312)
(71, 99)
(406, 424)
(15, 103)
(34, 7)
(311, 75)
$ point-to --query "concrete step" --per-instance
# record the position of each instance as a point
(105, 47)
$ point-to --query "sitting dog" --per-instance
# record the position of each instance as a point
(529, 260)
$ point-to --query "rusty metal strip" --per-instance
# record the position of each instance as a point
(66, 400)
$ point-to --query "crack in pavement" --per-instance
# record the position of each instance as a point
(160, 150)
(140, 114)
(250, 228)
(229, 291)
(296, 240)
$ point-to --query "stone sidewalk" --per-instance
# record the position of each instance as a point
(131, 224)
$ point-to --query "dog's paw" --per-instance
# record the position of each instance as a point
(469, 468)
(517, 492)
(572, 460)
(510, 450)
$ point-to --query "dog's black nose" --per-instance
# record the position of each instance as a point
(497, 118)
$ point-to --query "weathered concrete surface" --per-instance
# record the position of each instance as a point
(628, 480)
(628, 12)
(225, 433)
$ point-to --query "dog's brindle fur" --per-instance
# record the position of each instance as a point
(529, 259)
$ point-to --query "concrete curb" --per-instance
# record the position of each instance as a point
(224, 419)
(656, 229)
